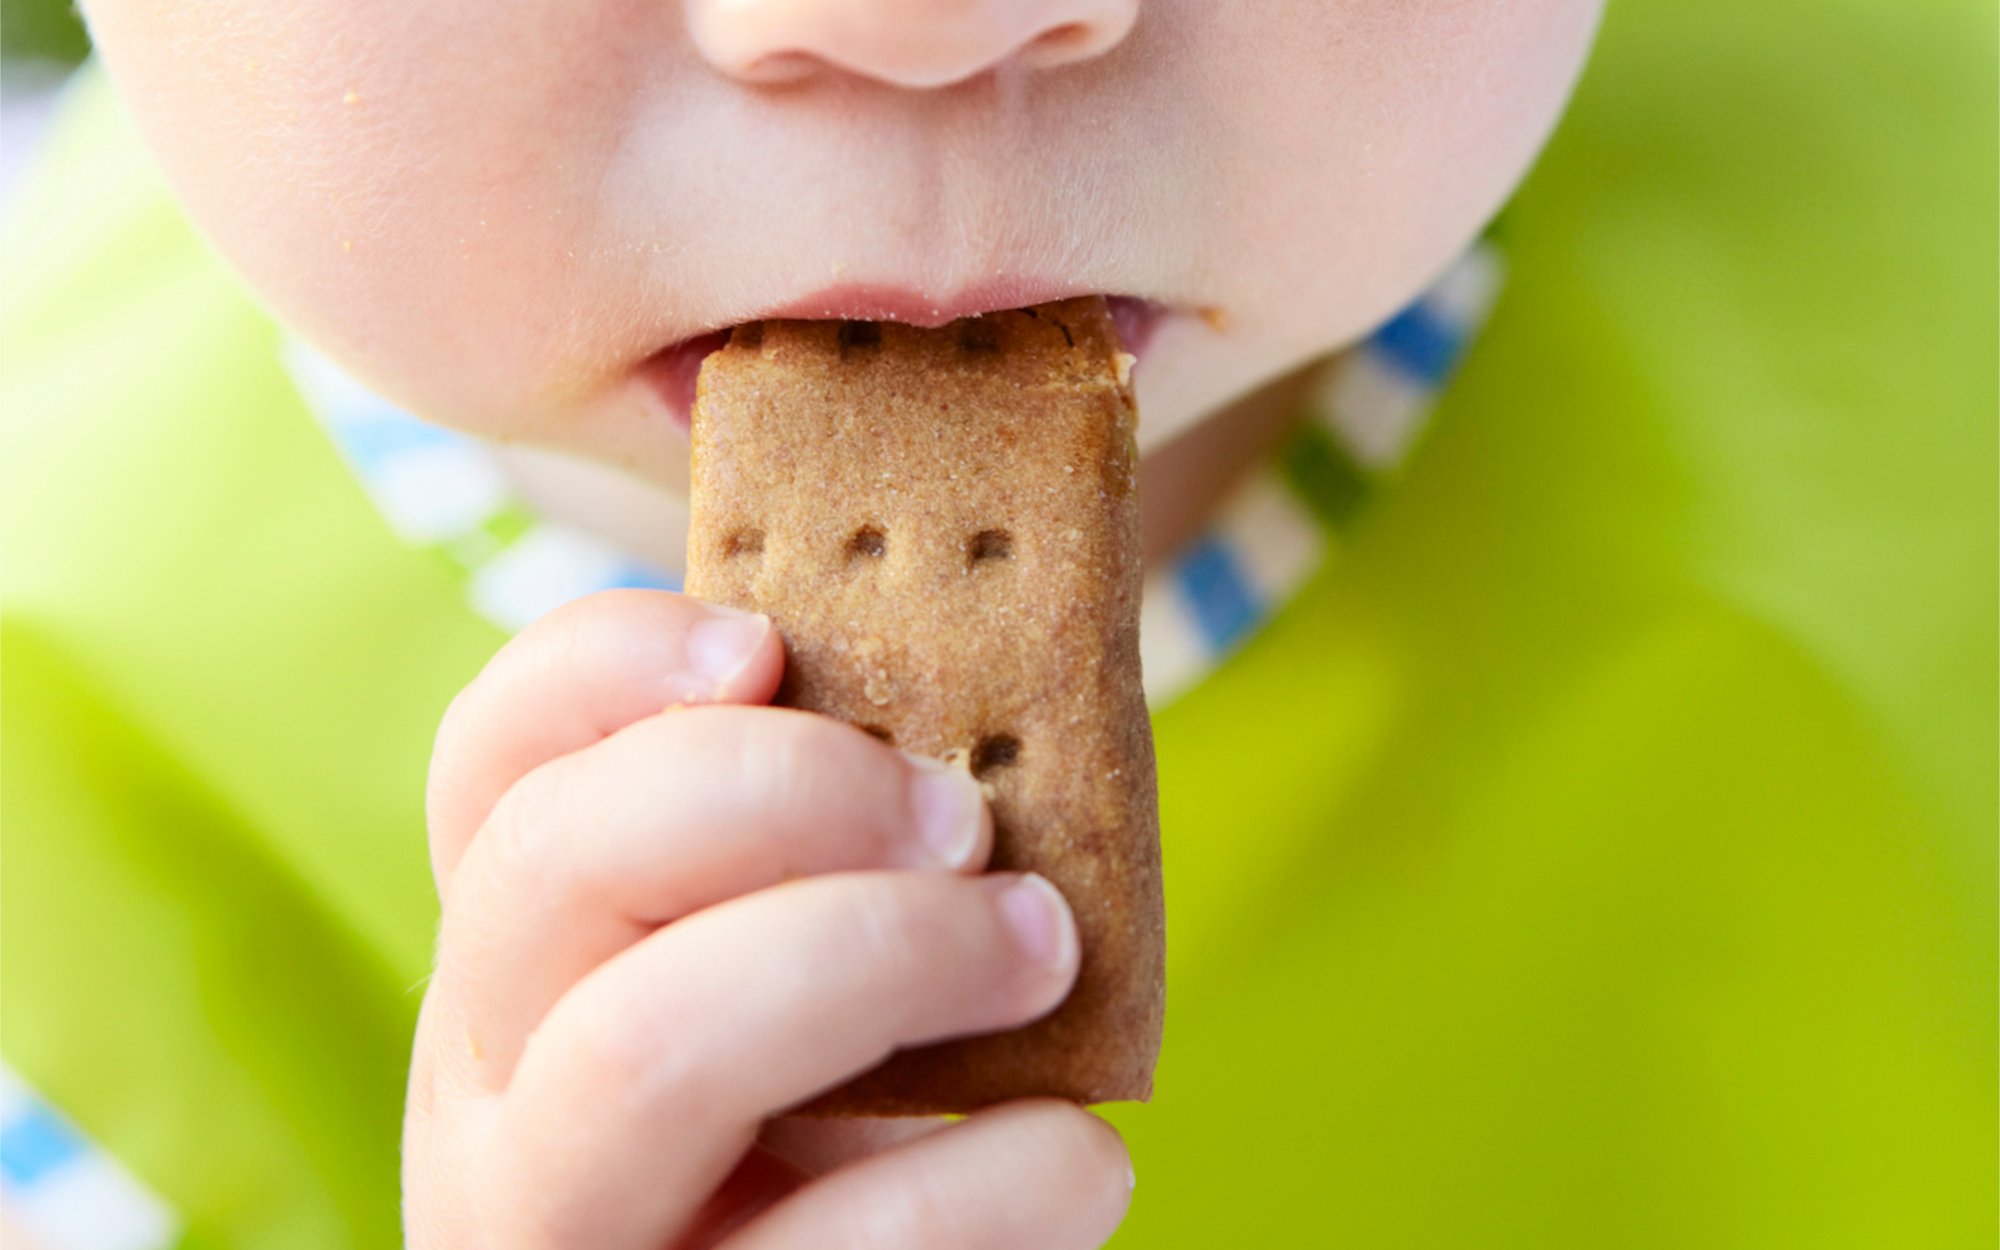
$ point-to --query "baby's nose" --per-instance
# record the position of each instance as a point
(910, 43)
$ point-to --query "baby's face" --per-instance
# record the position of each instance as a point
(523, 218)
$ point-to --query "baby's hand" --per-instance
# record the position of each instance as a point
(631, 982)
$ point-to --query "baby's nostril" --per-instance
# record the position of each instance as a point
(855, 335)
(1080, 40)
(1061, 40)
(993, 752)
(744, 543)
(928, 44)
(869, 541)
(990, 545)
(779, 67)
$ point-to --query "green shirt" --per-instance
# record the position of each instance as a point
(1599, 851)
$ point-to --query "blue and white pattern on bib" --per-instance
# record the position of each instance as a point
(448, 491)
(64, 1191)
(1364, 412)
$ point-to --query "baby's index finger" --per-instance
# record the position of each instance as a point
(577, 676)
(682, 811)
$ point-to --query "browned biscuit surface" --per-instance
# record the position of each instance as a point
(942, 524)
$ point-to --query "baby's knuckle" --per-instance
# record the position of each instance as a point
(780, 756)
(564, 630)
(1091, 1148)
(628, 1049)
(1087, 1163)
(891, 926)
(451, 731)
(814, 759)
(454, 716)
(509, 1210)
(610, 1059)
(575, 629)
(515, 842)
(904, 1217)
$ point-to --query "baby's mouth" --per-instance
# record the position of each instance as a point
(670, 373)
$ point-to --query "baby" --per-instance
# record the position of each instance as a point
(530, 222)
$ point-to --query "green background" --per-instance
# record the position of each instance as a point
(41, 29)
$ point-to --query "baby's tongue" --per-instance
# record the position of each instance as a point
(1135, 320)
(680, 368)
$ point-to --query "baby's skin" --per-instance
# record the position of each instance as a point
(671, 912)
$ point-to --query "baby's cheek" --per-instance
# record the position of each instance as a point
(1376, 138)
(403, 182)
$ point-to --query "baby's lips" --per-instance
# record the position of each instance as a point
(673, 372)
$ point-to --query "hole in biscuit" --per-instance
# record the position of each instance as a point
(749, 335)
(857, 334)
(990, 545)
(744, 543)
(976, 334)
(993, 752)
(870, 542)
(1068, 338)
(879, 733)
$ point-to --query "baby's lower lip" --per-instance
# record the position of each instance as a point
(672, 372)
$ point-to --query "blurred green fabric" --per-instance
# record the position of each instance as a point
(42, 30)
(1601, 852)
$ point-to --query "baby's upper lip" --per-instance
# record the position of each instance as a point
(861, 301)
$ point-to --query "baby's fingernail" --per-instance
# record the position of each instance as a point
(946, 802)
(720, 645)
(1037, 916)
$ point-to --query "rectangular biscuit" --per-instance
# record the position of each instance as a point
(942, 524)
